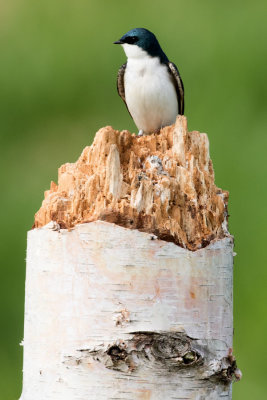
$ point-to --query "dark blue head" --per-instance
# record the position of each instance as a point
(146, 40)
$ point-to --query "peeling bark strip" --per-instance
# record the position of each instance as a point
(161, 184)
(114, 313)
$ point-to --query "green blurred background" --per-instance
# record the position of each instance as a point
(58, 87)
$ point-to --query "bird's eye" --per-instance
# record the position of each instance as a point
(131, 39)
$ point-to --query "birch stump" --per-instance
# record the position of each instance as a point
(129, 275)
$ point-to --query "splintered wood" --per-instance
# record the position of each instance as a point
(161, 184)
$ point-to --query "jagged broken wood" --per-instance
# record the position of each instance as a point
(112, 310)
(161, 184)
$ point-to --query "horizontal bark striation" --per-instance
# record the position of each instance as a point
(161, 184)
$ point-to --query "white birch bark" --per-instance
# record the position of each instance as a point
(114, 313)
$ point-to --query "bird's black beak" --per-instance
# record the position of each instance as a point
(118, 42)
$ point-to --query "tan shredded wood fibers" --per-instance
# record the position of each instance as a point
(161, 183)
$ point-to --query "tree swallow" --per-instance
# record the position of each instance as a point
(148, 83)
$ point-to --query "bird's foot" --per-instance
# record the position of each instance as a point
(140, 133)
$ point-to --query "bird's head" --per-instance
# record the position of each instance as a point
(140, 41)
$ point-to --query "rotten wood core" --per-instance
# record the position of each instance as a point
(161, 184)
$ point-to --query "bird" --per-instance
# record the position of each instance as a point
(149, 84)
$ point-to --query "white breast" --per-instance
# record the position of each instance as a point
(150, 94)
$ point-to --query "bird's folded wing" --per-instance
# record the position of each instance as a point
(178, 86)
(120, 82)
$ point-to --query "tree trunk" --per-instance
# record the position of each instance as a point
(112, 310)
